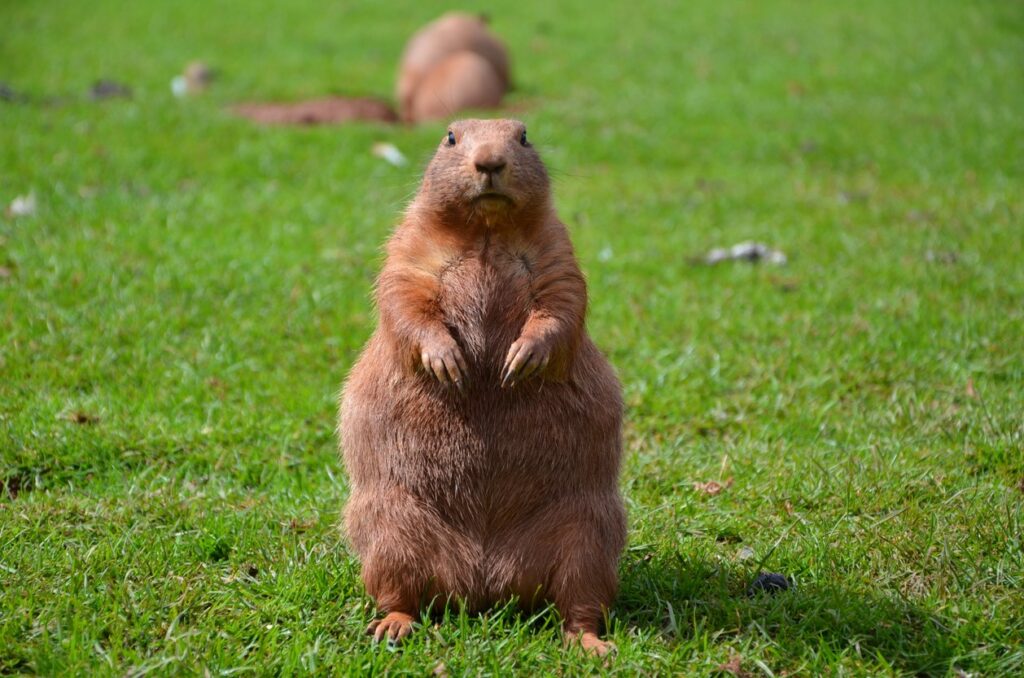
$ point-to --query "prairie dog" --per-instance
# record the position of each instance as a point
(462, 81)
(481, 426)
(451, 34)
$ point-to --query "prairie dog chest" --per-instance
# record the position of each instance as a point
(486, 293)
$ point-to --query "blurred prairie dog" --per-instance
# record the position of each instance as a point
(462, 81)
(432, 47)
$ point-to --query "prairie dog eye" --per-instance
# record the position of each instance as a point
(451, 138)
(522, 139)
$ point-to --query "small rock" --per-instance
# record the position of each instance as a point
(196, 78)
(713, 487)
(390, 153)
(179, 86)
(769, 582)
(22, 206)
(8, 94)
(199, 75)
(109, 89)
(752, 252)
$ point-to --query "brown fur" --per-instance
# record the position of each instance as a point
(437, 41)
(481, 426)
(463, 81)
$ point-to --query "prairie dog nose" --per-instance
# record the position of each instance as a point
(488, 160)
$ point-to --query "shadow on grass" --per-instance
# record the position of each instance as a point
(682, 597)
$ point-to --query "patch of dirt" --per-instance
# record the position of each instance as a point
(971, 392)
(327, 111)
(82, 418)
(13, 485)
(728, 538)
(734, 667)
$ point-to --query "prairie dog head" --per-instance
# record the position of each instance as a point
(486, 170)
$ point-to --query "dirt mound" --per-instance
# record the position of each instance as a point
(326, 111)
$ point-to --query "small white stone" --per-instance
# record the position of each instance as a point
(23, 206)
(390, 153)
(179, 86)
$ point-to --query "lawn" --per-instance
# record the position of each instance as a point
(177, 317)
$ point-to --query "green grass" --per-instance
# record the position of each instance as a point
(195, 288)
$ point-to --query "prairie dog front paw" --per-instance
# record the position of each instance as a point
(526, 357)
(444, 361)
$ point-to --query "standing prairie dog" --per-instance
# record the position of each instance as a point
(434, 45)
(481, 426)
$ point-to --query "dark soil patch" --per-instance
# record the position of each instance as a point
(327, 111)
(13, 485)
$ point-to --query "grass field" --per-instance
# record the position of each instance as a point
(178, 315)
